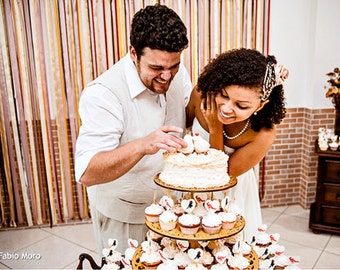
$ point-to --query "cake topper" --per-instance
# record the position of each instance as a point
(188, 205)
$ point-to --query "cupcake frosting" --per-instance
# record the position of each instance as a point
(212, 220)
(238, 261)
(154, 209)
(281, 260)
(241, 247)
(227, 217)
(207, 258)
(189, 219)
(182, 259)
(168, 216)
(150, 257)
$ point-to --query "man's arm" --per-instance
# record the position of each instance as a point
(107, 166)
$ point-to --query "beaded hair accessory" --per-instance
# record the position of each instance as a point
(275, 75)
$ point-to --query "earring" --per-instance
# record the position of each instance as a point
(255, 113)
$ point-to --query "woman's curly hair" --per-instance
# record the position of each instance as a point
(158, 27)
(244, 67)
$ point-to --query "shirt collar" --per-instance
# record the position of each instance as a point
(134, 83)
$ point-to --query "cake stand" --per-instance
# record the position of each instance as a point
(200, 235)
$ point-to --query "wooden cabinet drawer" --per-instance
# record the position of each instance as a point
(332, 170)
(330, 215)
(332, 194)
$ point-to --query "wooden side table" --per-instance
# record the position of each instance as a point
(325, 211)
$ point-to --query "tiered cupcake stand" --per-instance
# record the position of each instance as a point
(200, 235)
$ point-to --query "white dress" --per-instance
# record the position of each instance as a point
(245, 194)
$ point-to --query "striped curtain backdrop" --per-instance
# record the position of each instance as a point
(49, 51)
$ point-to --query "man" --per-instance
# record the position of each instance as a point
(130, 113)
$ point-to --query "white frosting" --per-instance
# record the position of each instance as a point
(195, 170)
(207, 258)
(227, 217)
(129, 252)
(189, 220)
(241, 247)
(170, 251)
(154, 209)
(150, 257)
(212, 220)
(167, 265)
(276, 249)
(263, 239)
(282, 260)
(168, 216)
(238, 261)
(182, 259)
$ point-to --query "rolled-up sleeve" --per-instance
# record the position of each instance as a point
(101, 117)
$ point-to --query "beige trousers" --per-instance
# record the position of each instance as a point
(105, 228)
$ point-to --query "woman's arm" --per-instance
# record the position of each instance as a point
(252, 152)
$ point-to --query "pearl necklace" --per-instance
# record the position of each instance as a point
(238, 134)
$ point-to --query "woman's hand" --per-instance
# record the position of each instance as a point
(210, 113)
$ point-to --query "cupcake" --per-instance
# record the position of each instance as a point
(130, 251)
(166, 241)
(150, 259)
(228, 220)
(168, 220)
(207, 259)
(242, 248)
(221, 249)
(167, 265)
(237, 262)
(212, 223)
(275, 250)
(170, 251)
(221, 258)
(263, 240)
(189, 223)
(281, 262)
(148, 245)
(153, 211)
(182, 259)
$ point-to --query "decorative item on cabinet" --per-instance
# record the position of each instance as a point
(325, 211)
(333, 92)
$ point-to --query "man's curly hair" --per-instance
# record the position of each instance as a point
(244, 67)
(158, 27)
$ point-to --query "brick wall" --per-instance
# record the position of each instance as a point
(289, 171)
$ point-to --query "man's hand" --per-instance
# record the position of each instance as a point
(163, 139)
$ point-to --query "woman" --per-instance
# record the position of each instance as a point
(237, 102)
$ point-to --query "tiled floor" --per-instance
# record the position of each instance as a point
(59, 247)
